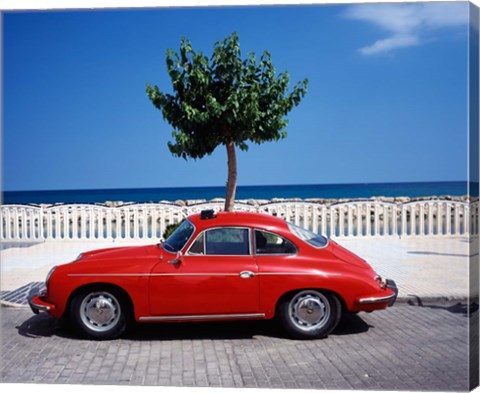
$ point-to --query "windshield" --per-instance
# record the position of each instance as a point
(177, 240)
(311, 238)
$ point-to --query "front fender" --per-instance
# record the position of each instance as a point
(131, 276)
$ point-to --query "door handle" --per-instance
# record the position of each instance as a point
(247, 274)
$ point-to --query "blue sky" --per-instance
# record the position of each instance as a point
(386, 101)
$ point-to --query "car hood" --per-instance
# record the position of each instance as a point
(348, 256)
(116, 253)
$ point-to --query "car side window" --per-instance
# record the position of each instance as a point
(227, 241)
(198, 246)
(270, 243)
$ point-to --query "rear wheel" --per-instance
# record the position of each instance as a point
(100, 313)
(310, 314)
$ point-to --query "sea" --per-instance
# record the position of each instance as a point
(303, 191)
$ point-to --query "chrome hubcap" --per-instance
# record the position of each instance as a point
(309, 310)
(100, 311)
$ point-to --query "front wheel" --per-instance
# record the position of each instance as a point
(100, 314)
(310, 314)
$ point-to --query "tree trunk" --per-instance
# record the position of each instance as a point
(232, 177)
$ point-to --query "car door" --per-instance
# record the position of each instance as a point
(217, 276)
(275, 256)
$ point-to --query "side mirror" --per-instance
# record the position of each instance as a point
(177, 260)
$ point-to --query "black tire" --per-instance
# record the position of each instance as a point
(309, 314)
(100, 312)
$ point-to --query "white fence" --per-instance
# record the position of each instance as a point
(24, 223)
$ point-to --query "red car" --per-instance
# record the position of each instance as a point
(225, 266)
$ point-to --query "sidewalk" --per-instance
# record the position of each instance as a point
(425, 268)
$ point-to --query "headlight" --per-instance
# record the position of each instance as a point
(49, 275)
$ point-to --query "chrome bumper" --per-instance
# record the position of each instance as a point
(390, 298)
(36, 303)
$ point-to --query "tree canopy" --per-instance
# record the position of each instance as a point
(224, 100)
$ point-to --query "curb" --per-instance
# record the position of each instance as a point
(415, 300)
(4, 303)
(18, 298)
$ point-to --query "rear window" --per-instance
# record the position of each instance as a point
(311, 238)
(268, 243)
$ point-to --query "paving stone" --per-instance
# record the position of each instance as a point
(403, 348)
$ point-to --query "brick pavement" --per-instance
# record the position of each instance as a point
(403, 348)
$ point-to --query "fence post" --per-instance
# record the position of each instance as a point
(359, 219)
(8, 224)
(135, 222)
(368, 220)
(456, 230)
(3, 224)
(109, 233)
(341, 222)
(439, 217)
(315, 218)
(91, 223)
(350, 231)
(466, 219)
(332, 221)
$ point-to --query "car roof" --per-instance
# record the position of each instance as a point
(258, 220)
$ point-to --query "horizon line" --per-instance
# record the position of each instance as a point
(239, 185)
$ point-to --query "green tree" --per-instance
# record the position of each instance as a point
(224, 100)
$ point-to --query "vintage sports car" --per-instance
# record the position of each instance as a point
(224, 266)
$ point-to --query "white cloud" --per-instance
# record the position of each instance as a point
(387, 44)
(408, 24)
